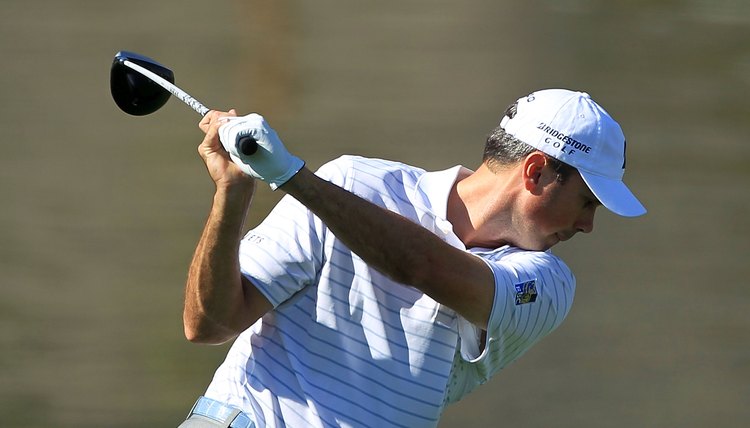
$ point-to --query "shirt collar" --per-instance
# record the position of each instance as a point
(436, 187)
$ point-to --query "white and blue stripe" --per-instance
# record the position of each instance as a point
(346, 346)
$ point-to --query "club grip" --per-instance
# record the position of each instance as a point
(247, 145)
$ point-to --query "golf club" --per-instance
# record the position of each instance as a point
(141, 86)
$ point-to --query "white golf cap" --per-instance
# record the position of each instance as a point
(574, 129)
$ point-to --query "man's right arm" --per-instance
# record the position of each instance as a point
(220, 302)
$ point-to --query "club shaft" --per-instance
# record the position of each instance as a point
(169, 86)
(246, 144)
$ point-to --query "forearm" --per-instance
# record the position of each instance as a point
(214, 294)
(399, 248)
(390, 243)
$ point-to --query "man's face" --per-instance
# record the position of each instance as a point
(556, 211)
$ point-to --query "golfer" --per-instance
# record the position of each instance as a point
(376, 293)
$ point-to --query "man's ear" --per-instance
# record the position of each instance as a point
(533, 166)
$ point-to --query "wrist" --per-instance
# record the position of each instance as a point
(236, 185)
(298, 184)
(235, 195)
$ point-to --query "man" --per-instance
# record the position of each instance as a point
(375, 293)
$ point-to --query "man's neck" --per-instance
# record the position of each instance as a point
(480, 207)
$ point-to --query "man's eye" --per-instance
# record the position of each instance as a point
(590, 203)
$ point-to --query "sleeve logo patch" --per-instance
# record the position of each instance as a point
(526, 292)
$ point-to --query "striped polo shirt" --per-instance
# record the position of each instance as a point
(345, 345)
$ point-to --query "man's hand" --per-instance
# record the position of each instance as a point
(271, 163)
(222, 170)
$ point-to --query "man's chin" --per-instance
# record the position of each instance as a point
(551, 242)
(538, 246)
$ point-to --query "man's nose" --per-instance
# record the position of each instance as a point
(585, 222)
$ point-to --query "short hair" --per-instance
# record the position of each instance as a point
(502, 149)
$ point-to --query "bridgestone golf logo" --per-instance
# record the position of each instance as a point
(566, 144)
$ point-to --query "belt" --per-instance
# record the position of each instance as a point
(222, 413)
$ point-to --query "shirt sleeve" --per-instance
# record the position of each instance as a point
(285, 252)
(533, 295)
(282, 254)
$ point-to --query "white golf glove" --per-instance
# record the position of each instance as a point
(271, 163)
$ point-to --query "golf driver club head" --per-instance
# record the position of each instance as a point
(143, 86)
(134, 93)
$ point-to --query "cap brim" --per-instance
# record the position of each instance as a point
(614, 195)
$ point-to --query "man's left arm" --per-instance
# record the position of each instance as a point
(404, 251)
(400, 249)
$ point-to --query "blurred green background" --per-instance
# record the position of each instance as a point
(100, 210)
